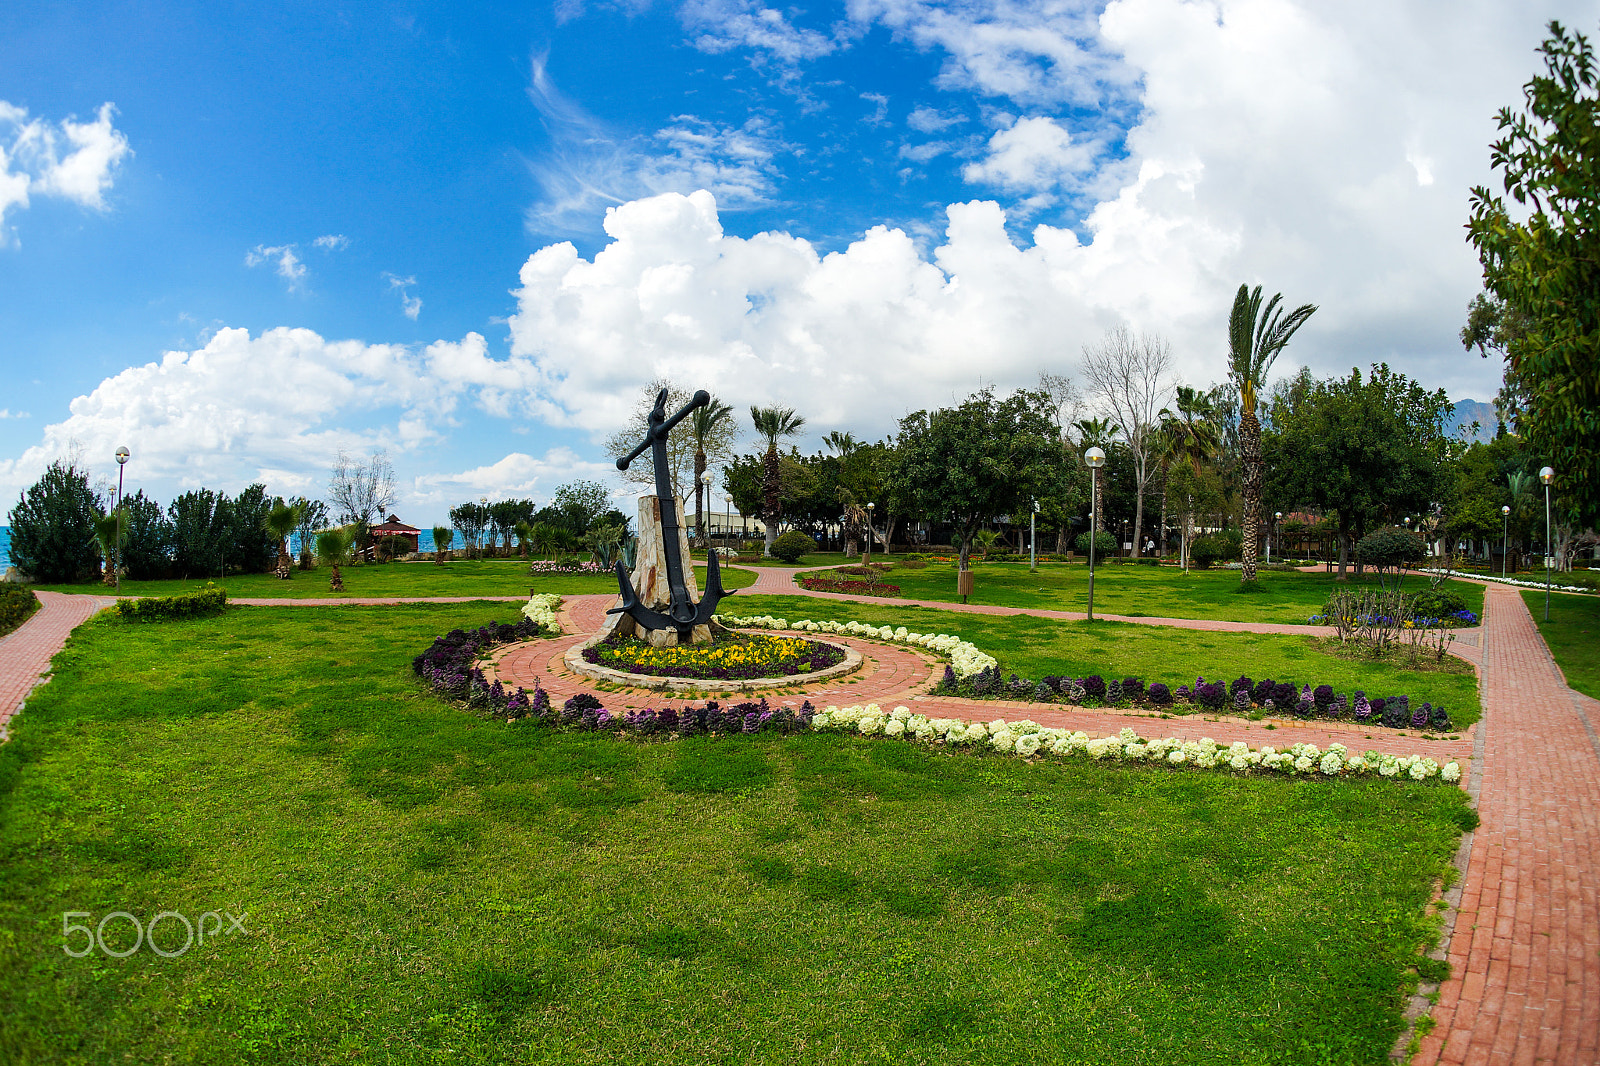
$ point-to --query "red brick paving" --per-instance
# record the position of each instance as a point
(26, 651)
(1525, 945)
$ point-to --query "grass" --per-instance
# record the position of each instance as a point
(420, 885)
(1034, 647)
(1572, 635)
(1142, 591)
(480, 577)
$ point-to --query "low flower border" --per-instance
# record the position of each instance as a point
(541, 609)
(965, 658)
(1509, 581)
(1028, 740)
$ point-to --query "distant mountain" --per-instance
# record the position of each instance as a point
(1467, 412)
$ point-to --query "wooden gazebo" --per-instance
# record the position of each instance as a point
(396, 528)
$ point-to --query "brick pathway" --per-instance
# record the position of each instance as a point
(26, 651)
(1525, 948)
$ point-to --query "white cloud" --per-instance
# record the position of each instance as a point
(289, 267)
(6, 413)
(410, 306)
(228, 413)
(517, 475)
(1035, 155)
(591, 166)
(932, 120)
(72, 160)
(332, 242)
(723, 25)
(880, 108)
(921, 153)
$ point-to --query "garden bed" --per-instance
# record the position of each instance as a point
(733, 657)
(855, 588)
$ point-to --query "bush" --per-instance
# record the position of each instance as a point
(52, 527)
(208, 600)
(1204, 551)
(1000, 556)
(1392, 547)
(1105, 545)
(16, 605)
(792, 545)
(1436, 603)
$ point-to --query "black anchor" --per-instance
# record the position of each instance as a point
(683, 614)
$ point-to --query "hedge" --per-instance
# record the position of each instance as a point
(208, 600)
(16, 605)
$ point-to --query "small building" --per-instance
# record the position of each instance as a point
(396, 528)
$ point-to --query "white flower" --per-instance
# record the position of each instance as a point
(1178, 758)
(893, 727)
(1240, 762)
(1331, 763)
(869, 724)
(1450, 772)
(975, 734)
(1027, 745)
(1002, 740)
(1303, 763)
(1419, 771)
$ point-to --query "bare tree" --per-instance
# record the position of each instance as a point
(1129, 378)
(361, 491)
(680, 442)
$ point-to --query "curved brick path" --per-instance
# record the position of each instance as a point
(1525, 938)
(25, 652)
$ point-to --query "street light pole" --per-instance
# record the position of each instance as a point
(122, 461)
(1033, 538)
(1547, 475)
(866, 556)
(1277, 516)
(1505, 538)
(705, 479)
(1095, 458)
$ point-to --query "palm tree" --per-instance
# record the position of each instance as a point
(1190, 434)
(703, 425)
(331, 546)
(1096, 433)
(841, 444)
(773, 424)
(282, 521)
(108, 534)
(1256, 335)
(443, 536)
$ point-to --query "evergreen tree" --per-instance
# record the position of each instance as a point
(52, 526)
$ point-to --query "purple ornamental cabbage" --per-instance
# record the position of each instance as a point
(1160, 695)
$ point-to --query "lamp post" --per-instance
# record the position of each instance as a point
(1547, 475)
(1505, 538)
(727, 515)
(1277, 516)
(1033, 538)
(122, 461)
(866, 556)
(1094, 458)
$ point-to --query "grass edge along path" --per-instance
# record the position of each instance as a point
(421, 880)
(1572, 635)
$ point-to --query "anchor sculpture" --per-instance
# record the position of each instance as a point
(683, 614)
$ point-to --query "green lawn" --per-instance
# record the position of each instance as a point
(484, 577)
(1142, 591)
(1036, 647)
(1573, 636)
(422, 886)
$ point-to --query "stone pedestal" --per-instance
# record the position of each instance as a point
(651, 583)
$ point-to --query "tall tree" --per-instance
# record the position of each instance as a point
(1130, 378)
(1546, 267)
(772, 424)
(1255, 337)
(1099, 433)
(147, 546)
(1192, 438)
(361, 492)
(680, 444)
(714, 432)
(986, 457)
(52, 525)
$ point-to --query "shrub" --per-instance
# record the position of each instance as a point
(208, 600)
(1436, 603)
(16, 605)
(918, 563)
(1160, 694)
(1210, 549)
(1392, 547)
(1105, 544)
(792, 545)
(1148, 560)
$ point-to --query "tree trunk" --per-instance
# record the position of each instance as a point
(771, 499)
(1161, 535)
(1250, 444)
(1344, 546)
(1138, 522)
(699, 489)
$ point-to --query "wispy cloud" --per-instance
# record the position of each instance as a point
(71, 160)
(410, 306)
(6, 413)
(332, 242)
(289, 267)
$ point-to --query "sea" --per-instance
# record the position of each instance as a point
(5, 548)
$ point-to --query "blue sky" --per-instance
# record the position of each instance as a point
(386, 224)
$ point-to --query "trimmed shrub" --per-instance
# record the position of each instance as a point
(208, 600)
(792, 545)
(17, 604)
(1392, 547)
(1436, 603)
(1105, 545)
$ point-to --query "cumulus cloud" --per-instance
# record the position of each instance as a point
(289, 267)
(71, 160)
(241, 407)
(1034, 155)
(410, 306)
(517, 475)
(332, 242)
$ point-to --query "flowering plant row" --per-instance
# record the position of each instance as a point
(448, 664)
(965, 658)
(863, 588)
(1240, 696)
(739, 657)
(586, 713)
(541, 610)
(1028, 740)
(565, 566)
(1511, 581)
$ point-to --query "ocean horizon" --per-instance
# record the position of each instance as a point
(424, 543)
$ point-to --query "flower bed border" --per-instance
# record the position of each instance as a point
(578, 665)
(852, 588)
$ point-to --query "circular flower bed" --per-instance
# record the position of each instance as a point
(736, 657)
